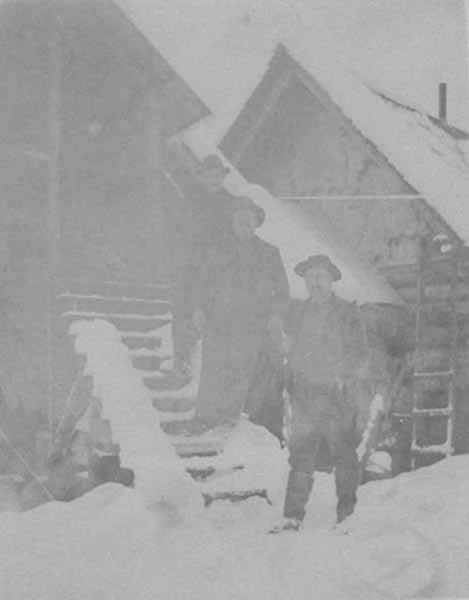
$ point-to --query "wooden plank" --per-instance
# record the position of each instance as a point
(53, 201)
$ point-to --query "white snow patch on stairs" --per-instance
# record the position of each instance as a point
(159, 473)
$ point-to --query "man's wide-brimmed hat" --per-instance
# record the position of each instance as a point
(318, 261)
(212, 162)
(246, 203)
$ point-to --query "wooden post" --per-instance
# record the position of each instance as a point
(154, 164)
(53, 203)
(442, 102)
(153, 111)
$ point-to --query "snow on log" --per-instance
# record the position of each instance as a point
(297, 236)
(159, 473)
(368, 438)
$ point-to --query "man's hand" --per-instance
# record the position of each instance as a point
(198, 319)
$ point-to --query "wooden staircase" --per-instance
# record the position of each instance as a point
(142, 314)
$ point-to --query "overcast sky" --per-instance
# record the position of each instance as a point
(410, 46)
(404, 47)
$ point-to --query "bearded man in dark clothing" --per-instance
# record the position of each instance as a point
(202, 220)
(243, 295)
(328, 350)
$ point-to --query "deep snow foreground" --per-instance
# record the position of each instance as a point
(409, 538)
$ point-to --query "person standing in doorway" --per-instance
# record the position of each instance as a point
(201, 223)
(243, 297)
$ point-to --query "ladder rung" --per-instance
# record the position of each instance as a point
(448, 301)
(437, 449)
(437, 311)
(434, 373)
(433, 412)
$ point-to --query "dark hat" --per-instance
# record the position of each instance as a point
(318, 261)
(245, 203)
(212, 161)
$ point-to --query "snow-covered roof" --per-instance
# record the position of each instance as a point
(430, 159)
(228, 45)
(221, 47)
(429, 155)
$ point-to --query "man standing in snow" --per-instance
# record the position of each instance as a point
(242, 297)
(328, 348)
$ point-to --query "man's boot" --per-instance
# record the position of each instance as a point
(345, 507)
(298, 491)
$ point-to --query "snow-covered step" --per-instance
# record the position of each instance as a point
(145, 352)
(157, 381)
(141, 314)
(85, 314)
(148, 363)
(432, 412)
(235, 496)
(170, 416)
(137, 324)
(207, 449)
(152, 379)
(99, 297)
(210, 473)
(100, 303)
(109, 288)
(137, 341)
(150, 333)
(173, 404)
(207, 444)
(212, 469)
(226, 482)
(430, 374)
(435, 449)
(220, 477)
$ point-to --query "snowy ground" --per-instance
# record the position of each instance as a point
(408, 538)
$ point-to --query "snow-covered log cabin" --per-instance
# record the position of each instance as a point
(380, 177)
(96, 214)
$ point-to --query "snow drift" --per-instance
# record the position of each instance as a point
(408, 539)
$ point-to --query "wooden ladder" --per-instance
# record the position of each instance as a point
(435, 359)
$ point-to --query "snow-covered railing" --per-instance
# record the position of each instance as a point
(368, 439)
(159, 473)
